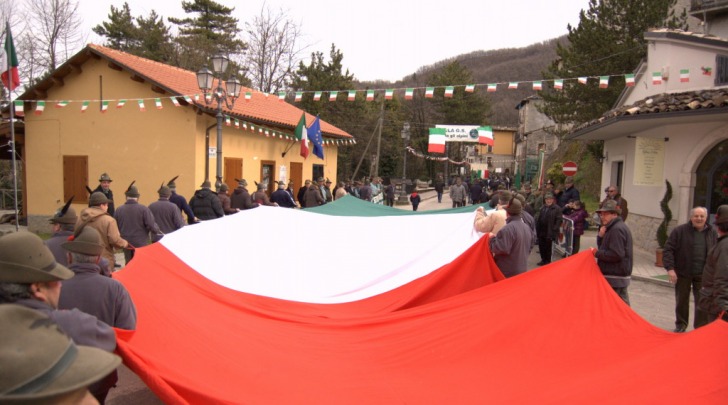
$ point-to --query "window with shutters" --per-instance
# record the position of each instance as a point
(75, 178)
(721, 70)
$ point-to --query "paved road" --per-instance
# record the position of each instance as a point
(653, 302)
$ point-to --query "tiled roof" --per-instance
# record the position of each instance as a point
(666, 103)
(261, 109)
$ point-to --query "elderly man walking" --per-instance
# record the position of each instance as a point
(96, 217)
(512, 245)
(684, 258)
(136, 221)
(614, 256)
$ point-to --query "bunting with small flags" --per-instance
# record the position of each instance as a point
(39, 107)
(158, 103)
(409, 93)
(104, 106)
(61, 103)
(429, 92)
(629, 80)
(370, 95)
(333, 95)
(142, 108)
(174, 101)
(352, 95)
(512, 85)
(684, 75)
(603, 82)
(121, 103)
(537, 85)
(299, 96)
(84, 105)
(388, 94)
(656, 78)
(317, 96)
(559, 84)
(492, 87)
(19, 108)
(470, 88)
(582, 80)
(248, 95)
(449, 91)
(281, 96)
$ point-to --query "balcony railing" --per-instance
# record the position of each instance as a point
(708, 7)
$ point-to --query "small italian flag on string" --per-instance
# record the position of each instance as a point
(492, 87)
(512, 85)
(559, 84)
(84, 105)
(470, 88)
(388, 94)
(61, 103)
(352, 95)
(370, 95)
(656, 77)
(537, 85)
(449, 90)
(174, 101)
(603, 82)
(122, 102)
(333, 95)
(104, 106)
(409, 93)
(39, 107)
(227, 121)
(429, 92)
(158, 103)
(684, 75)
(188, 99)
(582, 80)
(248, 95)
(317, 96)
(299, 96)
(197, 97)
(19, 108)
(142, 108)
(281, 96)
(629, 79)
(237, 123)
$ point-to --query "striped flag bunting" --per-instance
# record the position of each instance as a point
(61, 103)
(140, 103)
(248, 95)
(299, 96)
(629, 79)
(227, 121)
(352, 95)
(512, 85)
(121, 103)
(84, 105)
(281, 96)
(492, 87)
(317, 96)
(656, 77)
(603, 82)
(104, 106)
(470, 88)
(429, 92)
(39, 107)
(158, 103)
(370, 95)
(559, 84)
(684, 75)
(174, 101)
(582, 80)
(409, 93)
(388, 94)
(19, 108)
(333, 95)
(537, 85)
(449, 91)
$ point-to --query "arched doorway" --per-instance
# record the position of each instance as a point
(711, 187)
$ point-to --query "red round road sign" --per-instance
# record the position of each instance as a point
(569, 168)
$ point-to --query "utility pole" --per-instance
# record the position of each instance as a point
(379, 139)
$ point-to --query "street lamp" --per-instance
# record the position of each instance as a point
(405, 136)
(231, 91)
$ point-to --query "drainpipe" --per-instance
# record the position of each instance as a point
(207, 151)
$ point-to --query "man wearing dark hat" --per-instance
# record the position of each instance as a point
(302, 192)
(241, 199)
(548, 225)
(281, 197)
(43, 365)
(261, 197)
(180, 202)
(167, 215)
(205, 203)
(222, 194)
(96, 217)
(714, 290)
(30, 276)
(613, 194)
(63, 223)
(104, 184)
(569, 194)
(89, 291)
(512, 245)
(136, 222)
(614, 256)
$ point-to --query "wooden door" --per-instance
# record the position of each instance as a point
(267, 175)
(233, 171)
(296, 174)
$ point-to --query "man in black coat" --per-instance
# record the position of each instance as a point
(104, 184)
(547, 227)
(684, 257)
(205, 203)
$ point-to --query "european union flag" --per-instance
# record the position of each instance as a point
(314, 134)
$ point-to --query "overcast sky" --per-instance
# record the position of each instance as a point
(389, 39)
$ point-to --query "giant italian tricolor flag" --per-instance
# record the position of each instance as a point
(391, 308)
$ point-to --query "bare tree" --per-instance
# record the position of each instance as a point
(54, 27)
(272, 50)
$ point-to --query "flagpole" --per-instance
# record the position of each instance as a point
(12, 129)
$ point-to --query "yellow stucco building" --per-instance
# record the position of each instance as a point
(106, 111)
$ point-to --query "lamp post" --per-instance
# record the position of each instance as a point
(206, 81)
(402, 199)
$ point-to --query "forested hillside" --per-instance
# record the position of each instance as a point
(496, 66)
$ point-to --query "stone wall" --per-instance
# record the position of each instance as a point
(644, 231)
(39, 224)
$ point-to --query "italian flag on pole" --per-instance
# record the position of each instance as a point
(10, 76)
(485, 135)
(437, 140)
(302, 135)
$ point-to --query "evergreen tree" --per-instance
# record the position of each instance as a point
(213, 30)
(609, 40)
(120, 31)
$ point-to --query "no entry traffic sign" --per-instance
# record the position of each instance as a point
(569, 168)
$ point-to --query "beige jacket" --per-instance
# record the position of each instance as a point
(100, 220)
(490, 223)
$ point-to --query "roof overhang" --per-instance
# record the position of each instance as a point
(623, 125)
